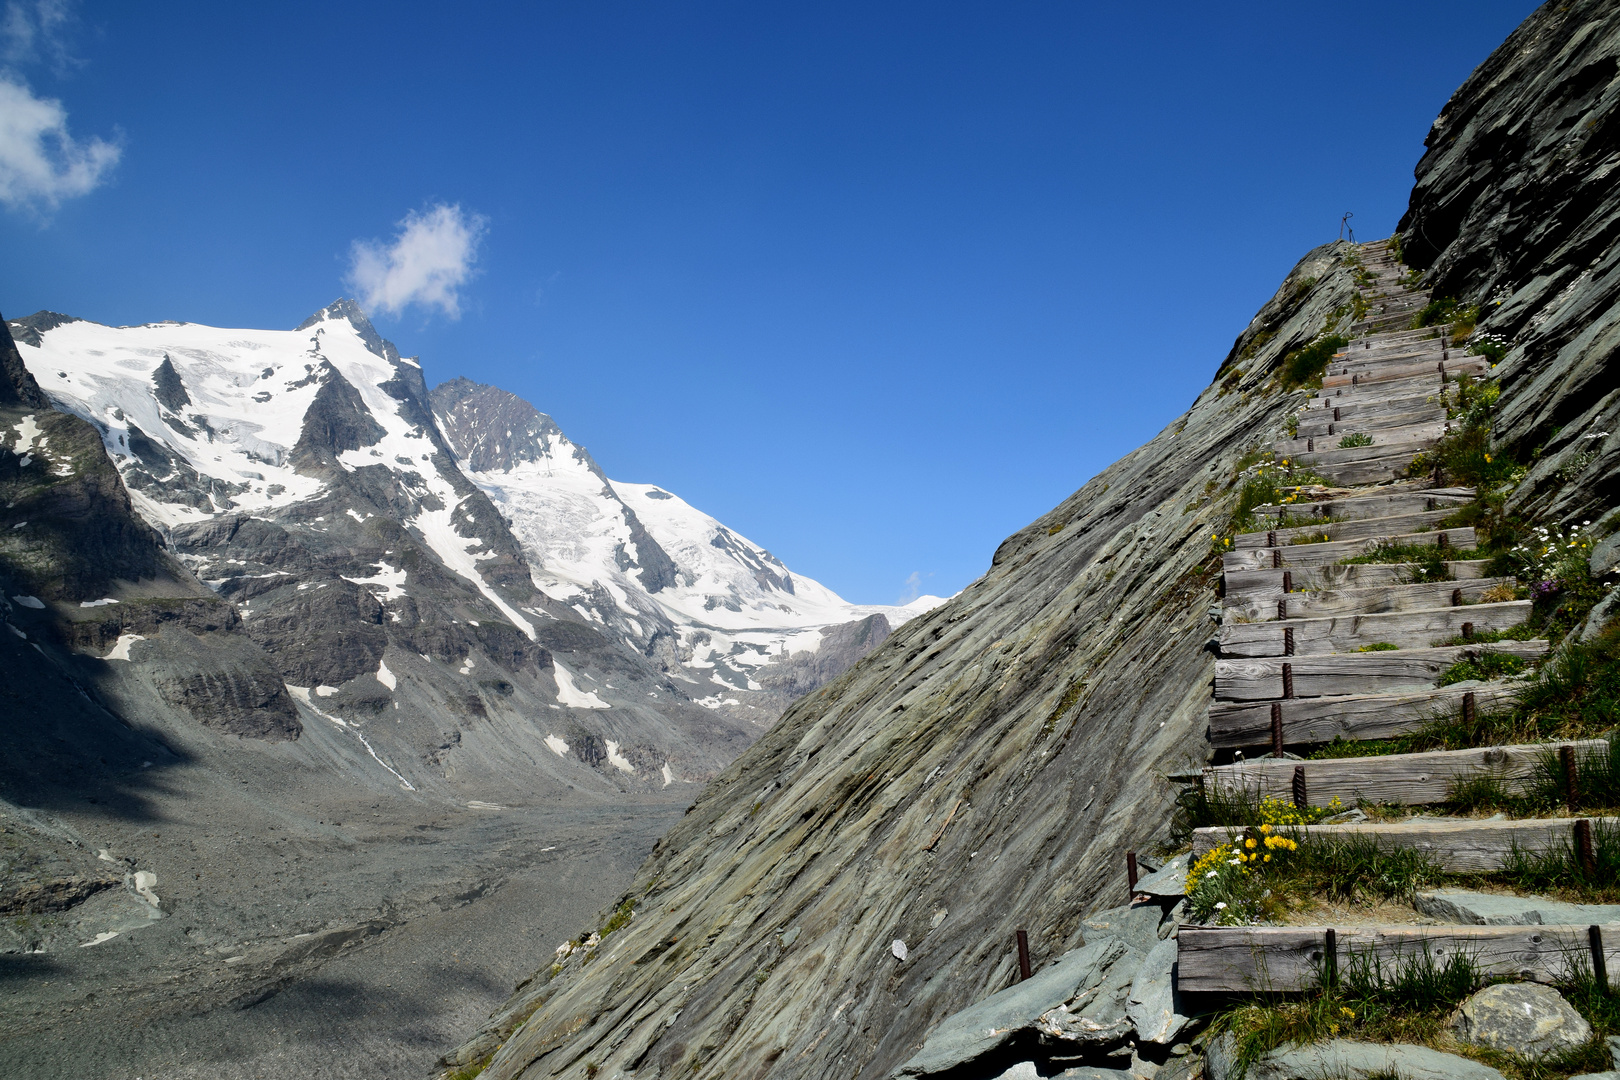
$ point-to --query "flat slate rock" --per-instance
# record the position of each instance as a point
(1169, 881)
(1137, 925)
(1468, 908)
(1344, 1059)
(1153, 1001)
(982, 1028)
(1521, 1018)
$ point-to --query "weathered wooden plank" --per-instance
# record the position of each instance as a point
(1457, 846)
(1351, 409)
(1357, 529)
(1266, 584)
(1342, 633)
(1418, 386)
(1355, 455)
(1244, 959)
(1291, 555)
(1374, 506)
(1405, 779)
(1372, 471)
(1323, 425)
(1313, 720)
(1369, 601)
(1473, 365)
(1407, 352)
(1339, 674)
(1390, 436)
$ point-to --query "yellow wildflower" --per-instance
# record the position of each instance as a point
(1268, 858)
(1249, 843)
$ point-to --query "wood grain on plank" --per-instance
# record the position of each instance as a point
(1332, 551)
(1244, 959)
(1325, 602)
(1312, 720)
(1338, 674)
(1404, 779)
(1457, 846)
(1345, 633)
(1410, 522)
(1267, 584)
(1372, 506)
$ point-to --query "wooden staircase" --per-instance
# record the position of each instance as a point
(1292, 673)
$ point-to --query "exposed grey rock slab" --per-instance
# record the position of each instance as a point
(1521, 1018)
(1169, 881)
(1152, 1006)
(1469, 908)
(1610, 1074)
(1136, 924)
(980, 1029)
(1344, 1059)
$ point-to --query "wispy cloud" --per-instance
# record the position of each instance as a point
(914, 584)
(38, 33)
(40, 162)
(430, 259)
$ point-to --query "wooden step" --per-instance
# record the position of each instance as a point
(1254, 959)
(1376, 470)
(1358, 529)
(1354, 508)
(1455, 845)
(1395, 372)
(1261, 585)
(1291, 555)
(1339, 674)
(1369, 601)
(1402, 779)
(1346, 633)
(1364, 360)
(1372, 400)
(1322, 424)
(1317, 720)
(1384, 442)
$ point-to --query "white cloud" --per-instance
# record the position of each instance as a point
(40, 162)
(430, 259)
(913, 588)
(37, 32)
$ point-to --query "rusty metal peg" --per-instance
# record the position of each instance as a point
(1301, 796)
(1288, 581)
(1288, 681)
(1572, 789)
(1584, 849)
(1468, 708)
(1276, 558)
(1130, 870)
(1288, 641)
(1456, 598)
(1024, 971)
(1276, 729)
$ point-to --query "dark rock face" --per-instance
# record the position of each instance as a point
(477, 419)
(841, 646)
(171, 391)
(983, 769)
(1515, 210)
(337, 420)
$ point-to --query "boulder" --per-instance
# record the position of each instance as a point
(1491, 909)
(1169, 881)
(1344, 1059)
(981, 1029)
(1152, 1006)
(1521, 1018)
(1135, 924)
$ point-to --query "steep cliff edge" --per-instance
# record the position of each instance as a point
(983, 770)
(1516, 211)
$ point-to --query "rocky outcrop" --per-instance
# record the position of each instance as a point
(983, 770)
(1516, 210)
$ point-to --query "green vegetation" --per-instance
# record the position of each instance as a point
(1487, 665)
(1311, 538)
(1379, 646)
(1306, 366)
(1202, 806)
(1597, 781)
(1445, 310)
(1429, 560)
(1406, 999)
(1355, 439)
(1522, 632)
(1560, 870)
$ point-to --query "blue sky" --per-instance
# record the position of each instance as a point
(874, 284)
